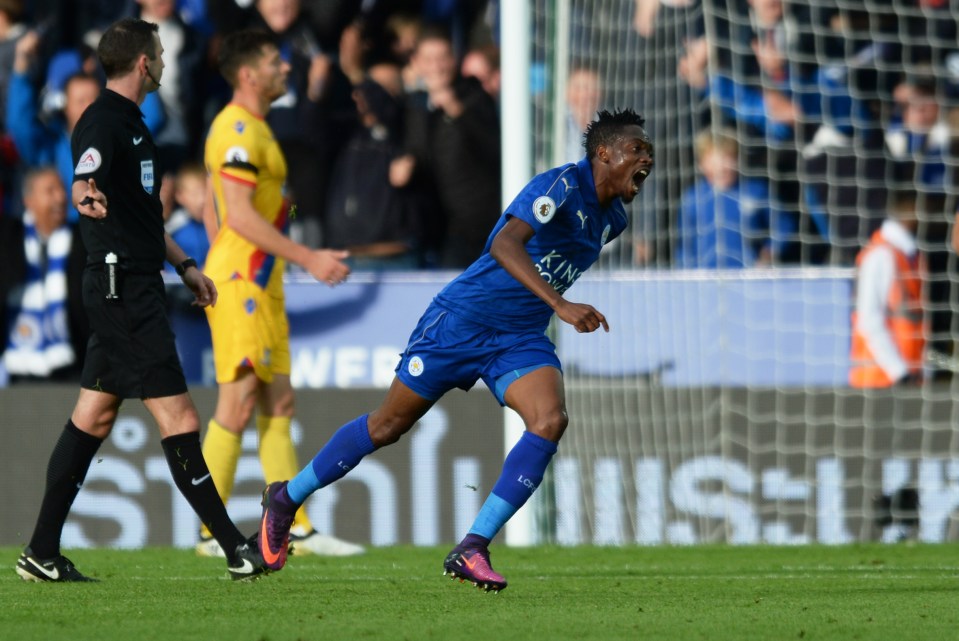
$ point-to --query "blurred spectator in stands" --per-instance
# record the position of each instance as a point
(366, 214)
(354, 48)
(40, 143)
(328, 19)
(482, 63)
(311, 119)
(402, 31)
(659, 28)
(584, 96)
(452, 114)
(724, 217)
(181, 94)
(918, 149)
(185, 223)
(843, 166)
(41, 304)
(887, 322)
(740, 106)
(388, 75)
(196, 14)
(922, 136)
(12, 29)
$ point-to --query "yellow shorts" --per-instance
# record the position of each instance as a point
(249, 330)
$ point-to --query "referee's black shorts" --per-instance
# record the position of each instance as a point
(132, 349)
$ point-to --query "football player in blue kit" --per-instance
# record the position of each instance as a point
(490, 323)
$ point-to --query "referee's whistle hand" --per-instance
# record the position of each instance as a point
(93, 203)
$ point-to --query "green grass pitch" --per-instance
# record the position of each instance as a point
(881, 592)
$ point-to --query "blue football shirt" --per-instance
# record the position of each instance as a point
(570, 230)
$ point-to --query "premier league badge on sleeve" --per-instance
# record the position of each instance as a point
(544, 208)
(146, 175)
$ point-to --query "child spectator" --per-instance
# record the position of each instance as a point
(723, 217)
(185, 224)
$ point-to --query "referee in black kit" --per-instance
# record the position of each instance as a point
(131, 353)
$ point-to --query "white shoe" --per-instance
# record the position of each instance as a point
(209, 547)
(322, 545)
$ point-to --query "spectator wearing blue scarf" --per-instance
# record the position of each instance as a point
(45, 325)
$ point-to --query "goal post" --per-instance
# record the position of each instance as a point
(717, 409)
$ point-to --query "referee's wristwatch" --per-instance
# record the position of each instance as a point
(185, 265)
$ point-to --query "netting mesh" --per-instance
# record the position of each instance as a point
(717, 409)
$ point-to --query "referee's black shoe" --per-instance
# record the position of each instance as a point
(58, 569)
(248, 564)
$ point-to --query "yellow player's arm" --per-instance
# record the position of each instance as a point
(210, 223)
(243, 218)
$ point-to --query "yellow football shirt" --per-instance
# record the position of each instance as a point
(241, 147)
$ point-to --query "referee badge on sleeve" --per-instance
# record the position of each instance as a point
(90, 161)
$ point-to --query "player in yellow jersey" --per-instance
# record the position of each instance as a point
(246, 217)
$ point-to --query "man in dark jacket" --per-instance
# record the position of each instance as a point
(452, 134)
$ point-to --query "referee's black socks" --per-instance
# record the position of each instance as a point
(192, 477)
(66, 471)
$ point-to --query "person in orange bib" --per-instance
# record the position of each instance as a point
(888, 336)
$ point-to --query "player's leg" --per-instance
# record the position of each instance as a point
(278, 459)
(91, 421)
(179, 426)
(223, 439)
(538, 396)
(242, 342)
(399, 411)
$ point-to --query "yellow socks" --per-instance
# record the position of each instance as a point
(221, 450)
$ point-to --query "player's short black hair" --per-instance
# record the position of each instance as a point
(242, 48)
(608, 127)
(123, 43)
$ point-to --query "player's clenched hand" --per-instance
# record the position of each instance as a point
(585, 318)
(94, 202)
(327, 266)
(202, 287)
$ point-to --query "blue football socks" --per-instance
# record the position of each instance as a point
(523, 471)
(341, 453)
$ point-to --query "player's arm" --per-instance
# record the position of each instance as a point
(509, 250)
(202, 287)
(210, 223)
(323, 264)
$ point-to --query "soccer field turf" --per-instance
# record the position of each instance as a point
(880, 592)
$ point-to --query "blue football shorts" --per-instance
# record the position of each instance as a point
(447, 351)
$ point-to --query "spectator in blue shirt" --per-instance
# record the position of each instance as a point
(40, 143)
(185, 224)
(724, 217)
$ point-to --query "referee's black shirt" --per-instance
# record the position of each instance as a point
(112, 145)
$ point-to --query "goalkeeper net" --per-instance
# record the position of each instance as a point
(717, 408)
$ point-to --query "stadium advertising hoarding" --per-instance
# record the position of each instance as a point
(423, 490)
(686, 328)
(734, 466)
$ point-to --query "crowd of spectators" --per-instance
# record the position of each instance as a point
(373, 126)
(779, 125)
(375, 82)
